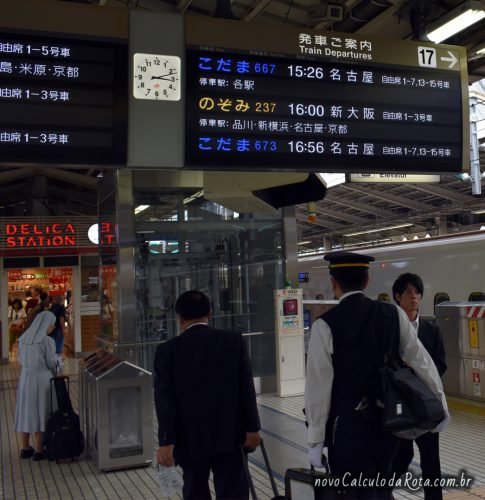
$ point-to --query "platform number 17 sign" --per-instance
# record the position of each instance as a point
(427, 57)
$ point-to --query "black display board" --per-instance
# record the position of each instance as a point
(323, 109)
(62, 101)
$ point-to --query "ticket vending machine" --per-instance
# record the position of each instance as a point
(290, 352)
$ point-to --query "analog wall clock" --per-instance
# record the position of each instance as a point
(156, 77)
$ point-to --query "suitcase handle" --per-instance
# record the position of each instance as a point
(268, 469)
(65, 377)
(244, 458)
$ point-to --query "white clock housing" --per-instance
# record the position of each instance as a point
(156, 77)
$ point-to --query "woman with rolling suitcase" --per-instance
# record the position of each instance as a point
(37, 357)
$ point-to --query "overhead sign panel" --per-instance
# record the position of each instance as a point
(394, 177)
(62, 101)
(322, 101)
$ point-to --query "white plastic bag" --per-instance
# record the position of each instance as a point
(168, 479)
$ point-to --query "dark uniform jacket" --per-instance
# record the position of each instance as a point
(430, 336)
(362, 330)
(204, 393)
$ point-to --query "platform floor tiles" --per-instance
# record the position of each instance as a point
(462, 448)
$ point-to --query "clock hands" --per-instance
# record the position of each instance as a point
(163, 77)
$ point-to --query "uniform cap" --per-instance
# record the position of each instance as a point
(348, 260)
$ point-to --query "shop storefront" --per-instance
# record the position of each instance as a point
(55, 256)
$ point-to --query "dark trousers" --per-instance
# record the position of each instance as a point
(230, 480)
(359, 449)
(429, 450)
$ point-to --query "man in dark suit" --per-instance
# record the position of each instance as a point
(205, 402)
(407, 291)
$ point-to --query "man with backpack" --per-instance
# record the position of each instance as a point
(407, 291)
(347, 349)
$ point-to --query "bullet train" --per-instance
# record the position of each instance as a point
(451, 266)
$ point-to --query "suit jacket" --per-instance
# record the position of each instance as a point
(204, 393)
(430, 336)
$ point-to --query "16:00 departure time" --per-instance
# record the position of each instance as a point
(307, 109)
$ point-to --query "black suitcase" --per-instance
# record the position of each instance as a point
(268, 470)
(309, 484)
(63, 436)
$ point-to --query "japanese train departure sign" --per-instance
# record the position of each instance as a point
(62, 101)
(279, 97)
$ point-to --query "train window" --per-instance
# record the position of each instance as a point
(476, 297)
(384, 297)
(439, 298)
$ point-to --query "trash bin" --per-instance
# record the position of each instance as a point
(115, 403)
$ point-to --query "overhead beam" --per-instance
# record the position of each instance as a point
(15, 173)
(257, 9)
(398, 200)
(445, 193)
(357, 205)
(71, 177)
(320, 222)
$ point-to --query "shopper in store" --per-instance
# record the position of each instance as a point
(37, 357)
(35, 292)
(42, 305)
(16, 322)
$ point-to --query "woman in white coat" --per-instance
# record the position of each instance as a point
(37, 356)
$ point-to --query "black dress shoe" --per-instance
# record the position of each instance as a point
(38, 456)
(27, 452)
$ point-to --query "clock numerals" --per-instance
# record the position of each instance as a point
(156, 77)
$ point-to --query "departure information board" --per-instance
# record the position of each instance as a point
(62, 101)
(317, 101)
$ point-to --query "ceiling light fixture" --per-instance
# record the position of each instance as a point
(140, 208)
(332, 180)
(416, 237)
(476, 212)
(377, 230)
(457, 20)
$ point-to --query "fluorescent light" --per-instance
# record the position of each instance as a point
(304, 242)
(377, 230)
(140, 208)
(476, 212)
(465, 15)
(482, 228)
(428, 235)
(416, 237)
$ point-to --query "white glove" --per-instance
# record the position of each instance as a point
(315, 455)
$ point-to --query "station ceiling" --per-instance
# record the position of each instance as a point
(349, 208)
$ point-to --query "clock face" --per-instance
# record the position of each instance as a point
(156, 77)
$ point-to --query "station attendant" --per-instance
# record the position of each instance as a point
(408, 291)
(347, 347)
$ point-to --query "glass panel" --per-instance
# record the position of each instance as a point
(108, 284)
(125, 430)
(187, 242)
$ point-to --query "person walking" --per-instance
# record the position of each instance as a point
(407, 292)
(37, 357)
(205, 402)
(59, 332)
(347, 348)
